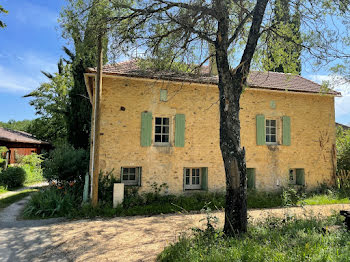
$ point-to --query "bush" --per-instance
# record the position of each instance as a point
(32, 166)
(105, 187)
(291, 196)
(51, 202)
(13, 177)
(66, 164)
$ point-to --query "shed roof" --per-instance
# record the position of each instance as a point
(256, 79)
(9, 135)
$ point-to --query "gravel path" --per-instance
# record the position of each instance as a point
(143, 238)
(117, 239)
(7, 194)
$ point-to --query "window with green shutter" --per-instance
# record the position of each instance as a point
(180, 130)
(286, 130)
(260, 130)
(196, 178)
(146, 128)
(251, 178)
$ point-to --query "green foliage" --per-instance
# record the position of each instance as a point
(17, 125)
(2, 10)
(32, 166)
(105, 187)
(343, 149)
(291, 196)
(282, 240)
(3, 151)
(81, 22)
(50, 101)
(283, 44)
(258, 199)
(51, 202)
(12, 177)
(66, 164)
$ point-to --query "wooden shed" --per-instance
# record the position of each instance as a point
(20, 143)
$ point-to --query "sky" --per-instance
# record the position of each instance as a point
(32, 42)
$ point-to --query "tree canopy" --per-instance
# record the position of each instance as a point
(4, 11)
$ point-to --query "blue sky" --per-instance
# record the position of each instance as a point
(32, 42)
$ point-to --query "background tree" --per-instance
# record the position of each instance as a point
(22, 125)
(51, 104)
(2, 10)
(233, 29)
(283, 54)
(78, 22)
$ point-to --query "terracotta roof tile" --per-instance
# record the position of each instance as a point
(264, 80)
(19, 137)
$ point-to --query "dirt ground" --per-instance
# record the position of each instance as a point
(143, 238)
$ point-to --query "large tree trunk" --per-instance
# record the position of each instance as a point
(230, 89)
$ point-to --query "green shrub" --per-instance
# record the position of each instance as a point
(105, 187)
(52, 202)
(3, 151)
(66, 164)
(291, 196)
(12, 177)
(32, 166)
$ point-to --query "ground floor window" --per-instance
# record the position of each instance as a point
(131, 176)
(196, 178)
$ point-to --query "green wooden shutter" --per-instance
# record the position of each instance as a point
(184, 179)
(286, 131)
(300, 176)
(204, 184)
(146, 128)
(140, 174)
(250, 178)
(121, 174)
(180, 130)
(260, 130)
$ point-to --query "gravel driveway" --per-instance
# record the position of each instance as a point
(117, 239)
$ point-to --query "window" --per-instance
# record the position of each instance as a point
(161, 134)
(271, 131)
(131, 176)
(192, 178)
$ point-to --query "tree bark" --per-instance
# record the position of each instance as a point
(230, 85)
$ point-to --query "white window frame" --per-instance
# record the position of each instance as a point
(129, 182)
(162, 143)
(191, 185)
(269, 127)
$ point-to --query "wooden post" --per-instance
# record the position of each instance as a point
(96, 141)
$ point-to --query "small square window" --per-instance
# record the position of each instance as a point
(161, 131)
(192, 178)
(131, 176)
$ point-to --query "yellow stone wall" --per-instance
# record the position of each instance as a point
(312, 133)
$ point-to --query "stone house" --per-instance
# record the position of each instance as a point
(164, 127)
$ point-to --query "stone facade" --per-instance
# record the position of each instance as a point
(124, 99)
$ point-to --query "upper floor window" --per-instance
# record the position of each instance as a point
(161, 134)
(271, 131)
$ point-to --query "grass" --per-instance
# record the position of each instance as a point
(5, 202)
(273, 240)
(325, 200)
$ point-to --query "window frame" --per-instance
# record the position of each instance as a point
(269, 134)
(294, 180)
(192, 186)
(138, 174)
(155, 125)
